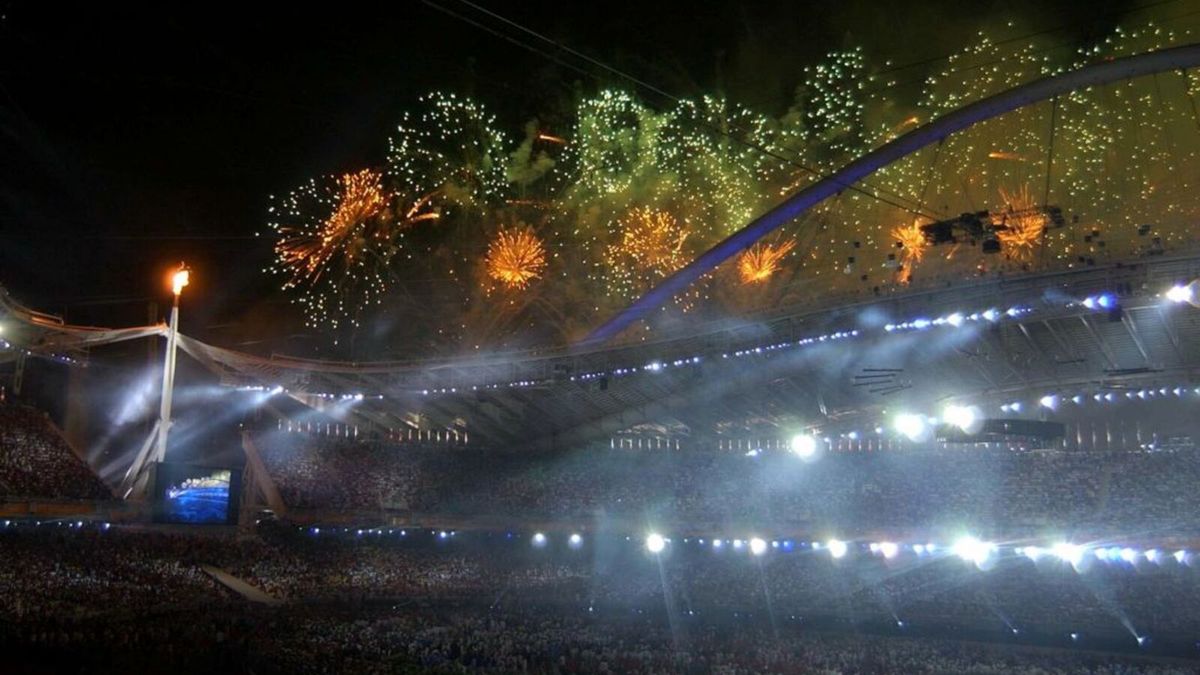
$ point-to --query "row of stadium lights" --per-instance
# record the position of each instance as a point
(977, 552)
(319, 428)
(968, 548)
(1052, 401)
(1103, 301)
(1099, 302)
(914, 427)
(279, 389)
(5, 345)
(1178, 294)
(969, 418)
(76, 525)
(955, 320)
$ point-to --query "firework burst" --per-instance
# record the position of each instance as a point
(450, 147)
(1024, 223)
(516, 257)
(615, 144)
(704, 167)
(762, 261)
(307, 254)
(338, 260)
(650, 248)
(913, 242)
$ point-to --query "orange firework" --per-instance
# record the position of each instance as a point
(1024, 223)
(1002, 154)
(651, 248)
(516, 257)
(335, 242)
(361, 199)
(653, 239)
(914, 243)
(895, 131)
(761, 261)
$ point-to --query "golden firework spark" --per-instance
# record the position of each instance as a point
(895, 131)
(914, 243)
(336, 241)
(550, 138)
(306, 253)
(1003, 154)
(651, 248)
(1024, 223)
(651, 238)
(761, 261)
(516, 257)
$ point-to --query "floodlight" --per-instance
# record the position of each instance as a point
(836, 548)
(1179, 294)
(655, 543)
(964, 417)
(1071, 553)
(973, 550)
(913, 427)
(804, 445)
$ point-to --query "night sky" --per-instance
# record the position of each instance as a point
(132, 138)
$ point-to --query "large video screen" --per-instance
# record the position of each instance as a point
(188, 493)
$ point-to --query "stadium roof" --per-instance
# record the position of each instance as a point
(1096, 327)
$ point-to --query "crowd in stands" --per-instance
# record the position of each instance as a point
(1095, 493)
(426, 640)
(327, 472)
(36, 462)
(74, 571)
(487, 603)
(613, 572)
(393, 600)
(1009, 491)
(519, 642)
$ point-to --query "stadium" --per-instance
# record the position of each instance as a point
(897, 376)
